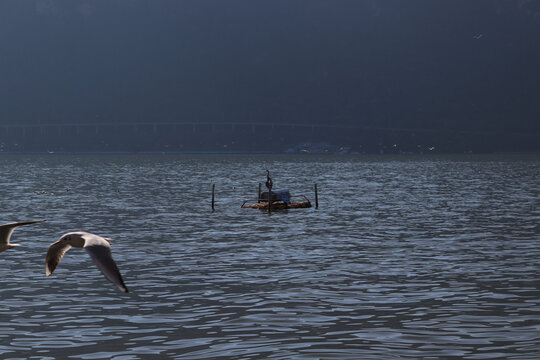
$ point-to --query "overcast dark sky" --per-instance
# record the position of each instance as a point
(453, 63)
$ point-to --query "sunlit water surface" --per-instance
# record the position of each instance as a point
(406, 257)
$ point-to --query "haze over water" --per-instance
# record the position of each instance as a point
(407, 257)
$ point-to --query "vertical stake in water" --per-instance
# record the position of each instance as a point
(213, 196)
(259, 194)
(316, 197)
(269, 198)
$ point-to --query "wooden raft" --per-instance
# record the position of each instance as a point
(279, 205)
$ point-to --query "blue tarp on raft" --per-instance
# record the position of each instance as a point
(283, 195)
(278, 195)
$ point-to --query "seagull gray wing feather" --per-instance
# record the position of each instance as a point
(54, 255)
(102, 257)
(5, 233)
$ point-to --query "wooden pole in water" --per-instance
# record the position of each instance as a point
(213, 196)
(269, 199)
(259, 194)
(316, 197)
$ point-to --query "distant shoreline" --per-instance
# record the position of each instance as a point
(210, 152)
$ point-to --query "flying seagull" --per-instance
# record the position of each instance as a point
(7, 229)
(98, 248)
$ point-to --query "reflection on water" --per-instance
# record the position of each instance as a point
(407, 257)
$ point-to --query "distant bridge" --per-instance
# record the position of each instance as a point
(191, 123)
(213, 126)
(253, 135)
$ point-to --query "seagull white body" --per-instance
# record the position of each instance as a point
(7, 229)
(97, 247)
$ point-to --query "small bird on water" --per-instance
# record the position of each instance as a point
(7, 229)
(98, 248)
(268, 182)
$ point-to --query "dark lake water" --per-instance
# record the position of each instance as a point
(406, 258)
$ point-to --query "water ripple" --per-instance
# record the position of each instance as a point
(406, 258)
